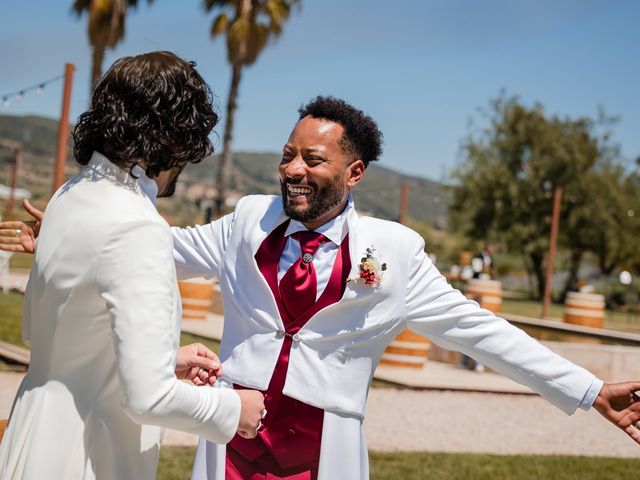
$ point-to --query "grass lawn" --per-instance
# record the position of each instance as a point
(11, 318)
(187, 338)
(21, 261)
(175, 463)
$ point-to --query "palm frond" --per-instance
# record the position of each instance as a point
(219, 25)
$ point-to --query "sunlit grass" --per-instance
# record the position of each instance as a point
(176, 462)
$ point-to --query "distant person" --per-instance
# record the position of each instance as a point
(482, 267)
(102, 310)
(314, 292)
(482, 263)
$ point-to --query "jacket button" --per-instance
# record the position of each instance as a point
(279, 334)
(291, 432)
(296, 338)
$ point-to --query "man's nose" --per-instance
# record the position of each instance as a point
(295, 168)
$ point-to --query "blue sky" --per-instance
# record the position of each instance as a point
(420, 68)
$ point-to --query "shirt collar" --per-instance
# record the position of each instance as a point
(148, 185)
(101, 164)
(335, 229)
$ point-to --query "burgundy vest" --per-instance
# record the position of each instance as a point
(288, 444)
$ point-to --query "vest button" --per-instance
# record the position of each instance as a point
(279, 334)
(296, 337)
(291, 432)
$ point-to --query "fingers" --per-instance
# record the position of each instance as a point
(10, 240)
(31, 210)
(12, 248)
(10, 227)
(633, 432)
(204, 362)
(205, 352)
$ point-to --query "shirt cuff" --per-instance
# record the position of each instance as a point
(590, 397)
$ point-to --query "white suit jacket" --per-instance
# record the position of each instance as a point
(102, 316)
(335, 354)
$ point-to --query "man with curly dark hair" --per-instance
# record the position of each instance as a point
(102, 305)
(314, 292)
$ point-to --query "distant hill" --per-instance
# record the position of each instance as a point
(378, 194)
(38, 134)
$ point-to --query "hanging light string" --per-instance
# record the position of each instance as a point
(18, 95)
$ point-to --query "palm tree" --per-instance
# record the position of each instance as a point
(105, 28)
(248, 26)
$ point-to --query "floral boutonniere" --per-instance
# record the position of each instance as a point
(371, 269)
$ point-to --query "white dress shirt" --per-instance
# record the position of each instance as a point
(335, 230)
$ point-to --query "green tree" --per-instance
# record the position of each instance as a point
(248, 26)
(105, 28)
(504, 186)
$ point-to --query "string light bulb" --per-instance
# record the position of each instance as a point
(19, 95)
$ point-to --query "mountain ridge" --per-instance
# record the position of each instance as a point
(253, 172)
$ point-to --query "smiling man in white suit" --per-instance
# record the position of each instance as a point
(313, 293)
(102, 310)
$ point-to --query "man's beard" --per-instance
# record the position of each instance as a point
(325, 199)
(170, 188)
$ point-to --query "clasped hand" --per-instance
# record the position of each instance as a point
(198, 364)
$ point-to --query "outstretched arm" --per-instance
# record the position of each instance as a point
(198, 250)
(442, 313)
(618, 403)
(18, 236)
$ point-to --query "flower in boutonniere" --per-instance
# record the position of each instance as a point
(371, 269)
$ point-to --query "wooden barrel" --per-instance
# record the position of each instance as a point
(407, 350)
(584, 309)
(3, 427)
(197, 297)
(216, 304)
(488, 293)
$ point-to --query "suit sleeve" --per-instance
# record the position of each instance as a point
(198, 250)
(449, 319)
(136, 277)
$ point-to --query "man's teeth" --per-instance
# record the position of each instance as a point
(299, 190)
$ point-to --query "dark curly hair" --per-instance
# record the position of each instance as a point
(361, 135)
(153, 107)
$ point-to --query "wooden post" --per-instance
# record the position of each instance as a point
(402, 218)
(555, 220)
(63, 129)
(15, 161)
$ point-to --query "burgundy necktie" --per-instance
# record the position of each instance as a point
(299, 287)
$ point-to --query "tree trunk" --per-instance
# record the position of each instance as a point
(538, 272)
(97, 58)
(574, 266)
(529, 269)
(15, 162)
(224, 168)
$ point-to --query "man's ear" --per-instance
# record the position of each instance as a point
(356, 173)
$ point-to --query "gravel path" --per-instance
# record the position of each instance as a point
(445, 421)
(487, 423)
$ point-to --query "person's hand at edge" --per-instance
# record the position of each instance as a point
(619, 404)
(18, 236)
